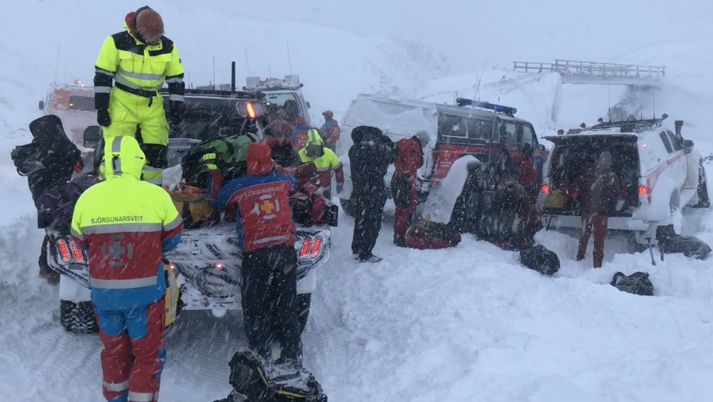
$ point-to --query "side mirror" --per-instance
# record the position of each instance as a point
(688, 144)
(42, 105)
(308, 105)
(92, 136)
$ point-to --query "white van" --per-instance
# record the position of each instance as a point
(659, 171)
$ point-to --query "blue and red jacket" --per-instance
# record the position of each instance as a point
(260, 203)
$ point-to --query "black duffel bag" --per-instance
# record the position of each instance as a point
(637, 283)
(540, 259)
(255, 380)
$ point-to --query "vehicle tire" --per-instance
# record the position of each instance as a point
(304, 301)
(77, 318)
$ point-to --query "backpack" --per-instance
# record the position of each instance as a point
(225, 155)
(256, 380)
(637, 283)
(540, 259)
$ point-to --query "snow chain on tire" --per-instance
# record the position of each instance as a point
(77, 318)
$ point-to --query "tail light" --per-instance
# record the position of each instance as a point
(644, 191)
(76, 252)
(545, 188)
(64, 250)
(316, 246)
(172, 266)
(250, 109)
(219, 266)
(305, 249)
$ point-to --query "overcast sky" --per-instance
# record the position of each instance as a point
(470, 32)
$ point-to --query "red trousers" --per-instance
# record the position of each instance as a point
(598, 224)
(133, 353)
(404, 215)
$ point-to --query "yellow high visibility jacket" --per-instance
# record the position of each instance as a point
(137, 67)
(325, 163)
(126, 224)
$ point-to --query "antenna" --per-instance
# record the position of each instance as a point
(654, 96)
(213, 72)
(247, 59)
(289, 58)
(476, 96)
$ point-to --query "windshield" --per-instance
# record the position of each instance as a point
(207, 117)
(514, 134)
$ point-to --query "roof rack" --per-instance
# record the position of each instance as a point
(631, 125)
(508, 110)
(291, 81)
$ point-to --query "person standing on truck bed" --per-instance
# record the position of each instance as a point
(127, 225)
(137, 61)
(600, 192)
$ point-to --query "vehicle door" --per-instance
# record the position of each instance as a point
(459, 135)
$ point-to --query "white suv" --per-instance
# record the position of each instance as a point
(659, 171)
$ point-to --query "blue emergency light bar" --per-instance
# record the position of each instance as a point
(508, 110)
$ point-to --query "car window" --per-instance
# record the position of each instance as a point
(675, 141)
(508, 134)
(85, 103)
(452, 126)
(283, 101)
(479, 129)
(528, 136)
(666, 142)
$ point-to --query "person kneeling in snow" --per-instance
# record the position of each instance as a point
(404, 183)
(266, 232)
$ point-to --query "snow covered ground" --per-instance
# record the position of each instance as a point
(464, 324)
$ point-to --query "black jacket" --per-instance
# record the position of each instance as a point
(56, 205)
(48, 160)
(369, 157)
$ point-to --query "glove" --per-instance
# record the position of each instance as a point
(340, 187)
(177, 111)
(103, 117)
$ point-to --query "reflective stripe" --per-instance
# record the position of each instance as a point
(320, 170)
(116, 386)
(209, 156)
(140, 76)
(77, 234)
(121, 80)
(174, 79)
(271, 239)
(142, 396)
(122, 283)
(102, 71)
(173, 97)
(122, 228)
(102, 90)
(211, 166)
(176, 222)
(116, 145)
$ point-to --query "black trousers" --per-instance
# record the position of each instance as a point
(367, 223)
(269, 301)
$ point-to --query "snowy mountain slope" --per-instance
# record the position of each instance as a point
(465, 324)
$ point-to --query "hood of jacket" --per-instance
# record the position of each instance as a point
(123, 156)
(365, 133)
(259, 159)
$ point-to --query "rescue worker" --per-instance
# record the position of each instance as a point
(599, 195)
(404, 183)
(138, 61)
(369, 157)
(280, 126)
(49, 160)
(330, 130)
(126, 238)
(266, 231)
(324, 160)
(298, 137)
